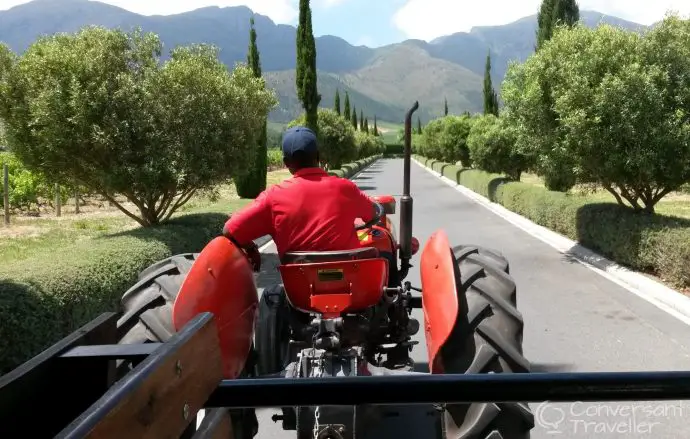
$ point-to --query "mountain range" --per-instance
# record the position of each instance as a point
(381, 81)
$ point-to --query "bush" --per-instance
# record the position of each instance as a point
(368, 145)
(445, 139)
(275, 158)
(337, 143)
(492, 147)
(66, 288)
(641, 241)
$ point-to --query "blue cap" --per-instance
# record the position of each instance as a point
(299, 139)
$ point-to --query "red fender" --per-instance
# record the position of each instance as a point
(221, 281)
(439, 296)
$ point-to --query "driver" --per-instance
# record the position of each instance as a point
(311, 211)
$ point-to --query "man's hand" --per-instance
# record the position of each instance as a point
(254, 257)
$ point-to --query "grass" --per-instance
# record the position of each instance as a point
(30, 236)
(675, 204)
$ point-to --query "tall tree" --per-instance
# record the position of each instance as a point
(361, 120)
(254, 182)
(553, 13)
(346, 110)
(305, 76)
(445, 108)
(353, 119)
(337, 101)
(490, 97)
(376, 128)
(366, 125)
(419, 126)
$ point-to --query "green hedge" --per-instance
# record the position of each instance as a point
(350, 169)
(44, 298)
(651, 243)
(393, 149)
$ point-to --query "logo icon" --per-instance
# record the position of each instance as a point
(549, 417)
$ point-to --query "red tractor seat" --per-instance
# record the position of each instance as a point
(291, 258)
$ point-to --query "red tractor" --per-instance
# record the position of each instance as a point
(349, 313)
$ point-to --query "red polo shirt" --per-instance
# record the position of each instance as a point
(311, 211)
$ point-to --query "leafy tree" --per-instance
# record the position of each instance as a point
(376, 128)
(361, 120)
(445, 107)
(490, 98)
(346, 110)
(419, 126)
(446, 139)
(336, 137)
(368, 145)
(621, 99)
(305, 77)
(366, 125)
(337, 101)
(253, 183)
(354, 118)
(491, 144)
(99, 107)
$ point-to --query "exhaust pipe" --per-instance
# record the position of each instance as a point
(406, 200)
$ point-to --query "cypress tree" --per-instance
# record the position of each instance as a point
(252, 184)
(348, 113)
(554, 12)
(366, 125)
(305, 77)
(337, 101)
(490, 97)
(419, 125)
(376, 128)
(354, 117)
(361, 120)
(445, 108)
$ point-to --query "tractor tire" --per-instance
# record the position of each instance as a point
(272, 331)
(487, 338)
(147, 318)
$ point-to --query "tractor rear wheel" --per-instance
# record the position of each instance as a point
(487, 338)
(147, 318)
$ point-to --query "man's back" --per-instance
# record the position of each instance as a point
(311, 211)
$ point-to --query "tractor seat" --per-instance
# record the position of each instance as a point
(330, 256)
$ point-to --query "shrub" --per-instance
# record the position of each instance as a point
(641, 241)
(445, 139)
(100, 108)
(368, 144)
(492, 147)
(337, 142)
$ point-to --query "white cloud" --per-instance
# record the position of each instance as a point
(280, 11)
(428, 19)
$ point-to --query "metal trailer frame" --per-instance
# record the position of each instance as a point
(70, 391)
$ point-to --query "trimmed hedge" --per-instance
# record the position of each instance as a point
(651, 243)
(350, 169)
(44, 298)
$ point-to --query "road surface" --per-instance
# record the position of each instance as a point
(575, 320)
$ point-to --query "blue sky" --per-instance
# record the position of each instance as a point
(379, 22)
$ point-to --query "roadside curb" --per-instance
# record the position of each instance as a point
(667, 299)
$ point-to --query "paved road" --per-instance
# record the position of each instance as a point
(574, 319)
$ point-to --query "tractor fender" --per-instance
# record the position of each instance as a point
(221, 281)
(439, 296)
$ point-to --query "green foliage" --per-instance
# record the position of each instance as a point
(100, 108)
(306, 66)
(446, 139)
(346, 110)
(67, 287)
(251, 184)
(336, 138)
(361, 120)
(490, 97)
(445, 107)
(648, 242)
(337, 102)
(620, 102)
(368, 145)
(376, 128)
(353, 119)
(275, 158)
(492, 148)
(553, 13)
(419, 126)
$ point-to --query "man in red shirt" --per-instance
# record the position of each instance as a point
(311, 211)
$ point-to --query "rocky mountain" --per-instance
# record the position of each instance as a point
(382, 81)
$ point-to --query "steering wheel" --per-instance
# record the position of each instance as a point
(379, 214)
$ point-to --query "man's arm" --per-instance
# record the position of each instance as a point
(363, 205)
(248, 224)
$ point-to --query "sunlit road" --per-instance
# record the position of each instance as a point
(575, 320)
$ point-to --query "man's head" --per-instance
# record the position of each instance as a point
(300, 149)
